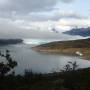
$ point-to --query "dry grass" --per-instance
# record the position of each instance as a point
(66, 47)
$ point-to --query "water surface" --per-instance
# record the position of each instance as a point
(44, 63)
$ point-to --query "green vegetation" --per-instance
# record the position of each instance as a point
(66, 47)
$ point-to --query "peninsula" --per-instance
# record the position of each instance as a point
(10, 41)
(79, 47)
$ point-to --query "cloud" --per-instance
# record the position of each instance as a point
(9, 8)
(54, 15)
(24, 6)
(14, 29)
(67, 1)
(34, 10)
(60, 25)
(81, 23)
(46, 25)
(39, 15)
(68, 14)
(38, 29)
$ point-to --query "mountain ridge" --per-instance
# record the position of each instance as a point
(79, 31)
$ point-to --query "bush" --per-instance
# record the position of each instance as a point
(8, 65)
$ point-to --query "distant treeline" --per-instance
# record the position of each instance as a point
(10, 41)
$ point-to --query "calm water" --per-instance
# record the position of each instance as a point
(45, 63)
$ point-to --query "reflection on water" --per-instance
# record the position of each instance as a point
(45, 63)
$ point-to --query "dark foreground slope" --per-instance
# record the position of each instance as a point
(74, 80)
(66, 47)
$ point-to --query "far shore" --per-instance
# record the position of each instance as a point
(10, 41)
(66, 47)
(69, 51)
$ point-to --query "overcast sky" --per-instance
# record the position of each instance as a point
(36, 18)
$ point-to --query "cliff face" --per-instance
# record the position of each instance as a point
(79, 31)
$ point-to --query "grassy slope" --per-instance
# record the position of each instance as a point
(66, 47)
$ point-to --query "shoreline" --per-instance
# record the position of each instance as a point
(74, 47)
(69, 51)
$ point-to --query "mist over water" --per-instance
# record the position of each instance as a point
(38, 41)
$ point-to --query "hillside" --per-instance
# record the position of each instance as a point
(10, 41)
(66, 47)
(79, 31)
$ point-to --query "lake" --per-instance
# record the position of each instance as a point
(38, 62)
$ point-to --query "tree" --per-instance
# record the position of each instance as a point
(8, 65)
(71, 66)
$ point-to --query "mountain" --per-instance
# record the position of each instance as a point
(10, 41)
(79, 31)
